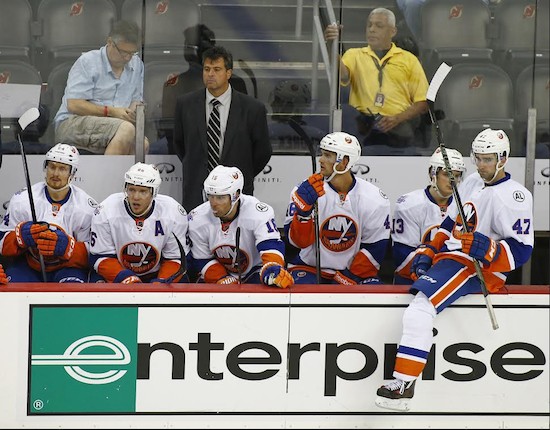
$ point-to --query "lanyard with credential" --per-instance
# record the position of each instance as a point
(379, 99)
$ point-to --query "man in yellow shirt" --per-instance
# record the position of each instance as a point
(387, 84)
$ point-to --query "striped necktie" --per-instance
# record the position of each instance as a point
(213, 135)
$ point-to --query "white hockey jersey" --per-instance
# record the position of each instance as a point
(502, 211)
(416, 218)
(73, 215)
(213, 242)
(138, 243)
(362, 217)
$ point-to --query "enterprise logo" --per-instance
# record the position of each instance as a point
(75, 356)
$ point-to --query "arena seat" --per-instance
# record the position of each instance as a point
(472, 97)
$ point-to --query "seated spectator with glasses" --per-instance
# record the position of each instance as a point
(98, 110)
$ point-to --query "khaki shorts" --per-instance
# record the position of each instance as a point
(92, 133)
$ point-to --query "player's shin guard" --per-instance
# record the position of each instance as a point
(412, 354)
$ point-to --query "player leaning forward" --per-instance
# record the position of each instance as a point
(62, 233)
(134, 232)
(213, 226)
(500, 237)
(354, 219)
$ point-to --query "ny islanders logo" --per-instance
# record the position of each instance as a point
(471, 221)
(338, 233)
(227, 256)
(140, 257)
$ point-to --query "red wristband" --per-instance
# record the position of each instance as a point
(105, 111)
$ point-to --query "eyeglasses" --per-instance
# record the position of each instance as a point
(124, 53)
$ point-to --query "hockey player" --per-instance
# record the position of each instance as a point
(499, 237)
(417, 214)
(259, 256)
(354, 219)
(62, 233)
(135, 233)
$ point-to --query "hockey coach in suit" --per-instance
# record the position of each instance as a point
(237, 135)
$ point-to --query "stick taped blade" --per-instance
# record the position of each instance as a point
(440, 75)
(29, 116)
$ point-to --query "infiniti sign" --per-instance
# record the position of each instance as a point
(360, 169)
(165, 167)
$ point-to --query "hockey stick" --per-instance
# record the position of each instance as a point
(301, 132)
(236, 261)
(29, 116)
(183, 266)
(436, 82)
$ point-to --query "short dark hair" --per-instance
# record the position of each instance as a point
(216, 52)
(125, 31)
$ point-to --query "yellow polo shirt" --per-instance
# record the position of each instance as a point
(403, 80)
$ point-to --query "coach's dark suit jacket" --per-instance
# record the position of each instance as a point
(246, 142)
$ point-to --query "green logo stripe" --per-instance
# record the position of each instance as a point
(83, 360)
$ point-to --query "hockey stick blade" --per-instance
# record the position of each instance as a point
(438, 78)
(29, 116)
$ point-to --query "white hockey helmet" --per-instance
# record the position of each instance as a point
(455, 160)
(491, 142)
(342, 144)
(143, 175)
(223, 181)
(63, 153)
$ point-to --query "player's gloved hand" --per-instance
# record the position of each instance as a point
(133, 279)
(54, 242)
(3, 277)
(307, 193)
(26, 233)
(480, 247)
(275, 274)
(345, 277)
(227, 280)
(422, 261)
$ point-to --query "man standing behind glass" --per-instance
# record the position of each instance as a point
(98, 110)
(388, 85)
(243, 136)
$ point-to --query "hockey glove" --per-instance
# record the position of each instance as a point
(26, 233)
(56, 243)
(275, 274)
(422, 261)
(480, 247)
(227, 280)
(345, 277)
(3, 277)
(307, 194)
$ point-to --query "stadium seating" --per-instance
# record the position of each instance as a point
(454, 32)
(15, 37)
(163, 24)
(474, 96)
(522, 33)
(57, 80)
(69, 28)
(157, 75)
(21, 72)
